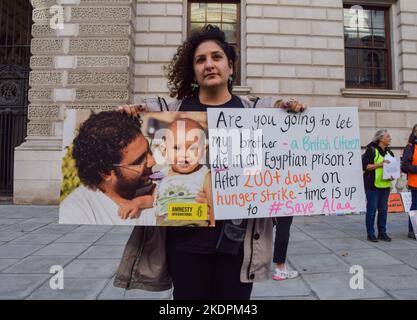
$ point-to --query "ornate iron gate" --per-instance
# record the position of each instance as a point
(15, 26)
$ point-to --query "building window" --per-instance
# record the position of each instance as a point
(367, 47)
(225, 15)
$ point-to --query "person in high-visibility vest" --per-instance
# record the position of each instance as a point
(376, 188)
(409, 166)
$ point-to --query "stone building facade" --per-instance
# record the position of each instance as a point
(111, 52)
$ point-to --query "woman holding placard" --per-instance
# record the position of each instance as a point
(376, 188)
(204, 263)
(409, 166)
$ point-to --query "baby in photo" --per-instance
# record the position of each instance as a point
(185, 176)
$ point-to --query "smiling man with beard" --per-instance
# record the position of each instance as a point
(114, 161)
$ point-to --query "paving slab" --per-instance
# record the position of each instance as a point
(35, 209)
(67, 249)
(24, 227)
(18, 251)
(326, 234)
(6, 236)
(395, 244)
(306, 247)
(406, 255)
(346, 224)
(354, 217)
(315, 226)
(5, 263)
(335, 286)
(405, 294)
(356, 233)
(38, 264)
(77, 237)
(74, 289)
(19, 286)
(142, 295)
(285, 298)
(113, 239)
(389, 278)
(111, 292)
(299, 236)
(369, 257)
(278, 289)
(318, 263)
(341, 220)
(102, 252)
(57, 228)
(91, 228)
(36, 238)
(46, 219)
(6, 209)
(7, 222)
(92, 268)
(306, 220)
(18, 215)
(122, 229)
(346, 243)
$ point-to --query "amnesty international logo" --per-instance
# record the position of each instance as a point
(187, 211)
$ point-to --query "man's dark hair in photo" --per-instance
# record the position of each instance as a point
(100, 142)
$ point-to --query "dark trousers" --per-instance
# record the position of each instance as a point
(207, 276)
(376, 199)
(413, 207)
(282, 237)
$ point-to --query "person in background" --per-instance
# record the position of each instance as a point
(376, 188)
(409, 166)
(282, 237)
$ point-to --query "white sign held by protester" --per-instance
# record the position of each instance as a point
(271, 163)
(406, 198)
(391, 170)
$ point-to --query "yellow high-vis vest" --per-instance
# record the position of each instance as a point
(379, 182)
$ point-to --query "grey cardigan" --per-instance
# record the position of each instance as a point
(143, 264)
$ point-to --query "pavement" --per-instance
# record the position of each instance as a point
(323, 249)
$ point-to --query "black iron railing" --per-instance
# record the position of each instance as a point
(15, 38)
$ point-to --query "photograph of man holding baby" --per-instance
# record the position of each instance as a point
(118, 170)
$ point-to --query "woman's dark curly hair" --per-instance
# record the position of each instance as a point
(100, 142)
(181, 71)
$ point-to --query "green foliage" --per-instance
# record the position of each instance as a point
(70, 179)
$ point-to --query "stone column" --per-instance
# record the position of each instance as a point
(85, 64)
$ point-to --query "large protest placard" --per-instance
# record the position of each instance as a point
(122, 171)
(271, 163)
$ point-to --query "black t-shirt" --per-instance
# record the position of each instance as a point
(198, 239)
